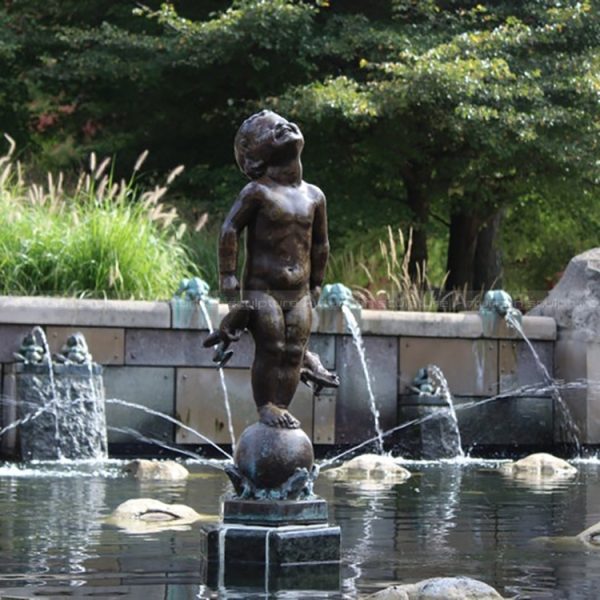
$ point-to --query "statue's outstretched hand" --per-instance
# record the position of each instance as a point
(230, 330)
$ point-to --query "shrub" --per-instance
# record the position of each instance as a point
(102, 238)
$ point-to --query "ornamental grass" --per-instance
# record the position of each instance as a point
(99, 238)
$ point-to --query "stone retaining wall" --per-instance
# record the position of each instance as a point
(153, 355)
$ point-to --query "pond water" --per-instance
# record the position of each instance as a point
(449, 519)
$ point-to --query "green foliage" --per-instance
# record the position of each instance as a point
(543, 231)
(102, 239)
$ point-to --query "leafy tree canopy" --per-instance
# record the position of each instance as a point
(448, 115)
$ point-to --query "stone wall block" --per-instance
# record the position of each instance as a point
(518, 367)
(332, 320)
(181, 348)
(324, 346)
(186, 314)
(9, 441)
(106, 344)
(324, 417)
(200, 404)
(151, 387)
(508, 421)
(578, 363)
(354, 420)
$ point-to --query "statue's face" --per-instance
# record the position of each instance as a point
(276, 137)
(266, 139)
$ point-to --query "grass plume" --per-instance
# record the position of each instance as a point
(102, 238)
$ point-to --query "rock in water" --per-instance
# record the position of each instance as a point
(148, 509)
(370, 466)
(156, 470)
(574, 302)
(145, 515)
(591, 536)
(541, 464)
(440, 588)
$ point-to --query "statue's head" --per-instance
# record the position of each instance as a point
(266, 139)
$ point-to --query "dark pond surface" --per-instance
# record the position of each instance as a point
(448, 519)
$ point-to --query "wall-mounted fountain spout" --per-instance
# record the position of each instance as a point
(193, 289)
(192, 307)
(74, 352)
(497, 305)
(336, 295)
(336, 299)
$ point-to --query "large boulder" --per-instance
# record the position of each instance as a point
(146, 515)
(155, 470)
(574, 302)
(439, 588)
(370, 466)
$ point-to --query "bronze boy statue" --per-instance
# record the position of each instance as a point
(286, 254)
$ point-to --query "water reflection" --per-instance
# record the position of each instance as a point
(448, 519)
(43, 537)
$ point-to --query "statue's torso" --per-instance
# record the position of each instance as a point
(280, 239)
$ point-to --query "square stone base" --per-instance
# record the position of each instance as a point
(286, 557)
(276, 513)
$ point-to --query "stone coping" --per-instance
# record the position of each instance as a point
(37, 310)
(452, 325)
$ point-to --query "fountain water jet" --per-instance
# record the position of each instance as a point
(571, 428)
(338, 296)
(195, 292)
(170, 419)
(360, 347)
(222, 380)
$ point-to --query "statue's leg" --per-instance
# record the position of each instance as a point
(267, 327)
(298, 320)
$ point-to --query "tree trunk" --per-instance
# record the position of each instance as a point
(418, 203)
(487, 268)
(464, 229)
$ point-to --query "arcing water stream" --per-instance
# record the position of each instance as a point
(222, 379)
(572, 430)
(360, 347)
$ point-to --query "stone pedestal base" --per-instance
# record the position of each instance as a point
(286, 557)
(275, 513)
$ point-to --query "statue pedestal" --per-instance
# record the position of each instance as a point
(276, 513)
(272, 544)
